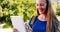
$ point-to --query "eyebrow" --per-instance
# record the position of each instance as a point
(44, 1)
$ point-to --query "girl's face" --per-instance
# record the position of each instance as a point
(41, 6)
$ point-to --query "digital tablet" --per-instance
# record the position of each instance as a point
(18, 23)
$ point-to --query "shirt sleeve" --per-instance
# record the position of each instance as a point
(57, 24)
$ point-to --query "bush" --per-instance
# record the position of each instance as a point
(24, 8)
(58, 12)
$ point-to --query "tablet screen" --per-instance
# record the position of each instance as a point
(18, 23)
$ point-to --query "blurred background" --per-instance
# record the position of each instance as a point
(24, 8)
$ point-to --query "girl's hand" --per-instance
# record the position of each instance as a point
(15, 30)
(28, 28)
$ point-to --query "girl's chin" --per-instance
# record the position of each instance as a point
(41, 13)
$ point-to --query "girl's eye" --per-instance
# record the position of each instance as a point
(41, 4)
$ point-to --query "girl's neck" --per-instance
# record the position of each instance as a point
(42, 17)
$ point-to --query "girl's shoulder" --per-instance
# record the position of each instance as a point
(56, 21)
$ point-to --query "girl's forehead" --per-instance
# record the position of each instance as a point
(40, 1)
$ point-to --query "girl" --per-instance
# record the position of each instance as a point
(45, 21)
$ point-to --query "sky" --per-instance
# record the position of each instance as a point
(55, 0)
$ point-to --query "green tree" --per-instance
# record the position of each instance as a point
(24, 8)
(58, 12)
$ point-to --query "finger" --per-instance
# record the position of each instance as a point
(15, 30)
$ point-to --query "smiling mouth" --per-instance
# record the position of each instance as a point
(40, 10)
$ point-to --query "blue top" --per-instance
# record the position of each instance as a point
(39, 26)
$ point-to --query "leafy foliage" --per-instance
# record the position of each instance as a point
(24, 8)
(58, 12)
